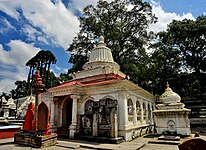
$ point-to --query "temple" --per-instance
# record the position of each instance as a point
(100, 102)
(171, 117)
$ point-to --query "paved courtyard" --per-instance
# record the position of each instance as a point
(141, 143)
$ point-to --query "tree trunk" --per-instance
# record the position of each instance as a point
(28, 79)
(47, 74)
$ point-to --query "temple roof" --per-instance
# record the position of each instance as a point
(96, 80)
(169, 96)
(100, 62)
(100, 56)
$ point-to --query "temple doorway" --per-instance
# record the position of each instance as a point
(69, 113)
(63, 130)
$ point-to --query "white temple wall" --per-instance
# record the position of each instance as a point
(134, 111)
(138, 116)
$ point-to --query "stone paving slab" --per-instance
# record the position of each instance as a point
(6, 141)
(159, 147)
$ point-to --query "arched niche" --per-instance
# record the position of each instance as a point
(43, 117)
(88, 107)
(130, 110)
(138, 110)
(149, 112)
(144, 111)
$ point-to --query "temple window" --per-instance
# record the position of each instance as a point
(130, 107)
(130, 110)
(144, 111)
(149, 113)
(138, 111)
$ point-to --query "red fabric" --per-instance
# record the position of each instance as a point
(38, 79)
(29, 118)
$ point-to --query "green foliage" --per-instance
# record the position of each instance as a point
(41, 61)
(124, 26)
(20, 91)
(64, 77)
(189, 37)
(180, 57)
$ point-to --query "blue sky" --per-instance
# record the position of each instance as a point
(27, 26)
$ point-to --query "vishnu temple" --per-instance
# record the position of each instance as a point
(100, 101)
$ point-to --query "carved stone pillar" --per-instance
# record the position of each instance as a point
(95, 124)
(73, 126)
(147, 112)
(151, 114)
(135, 112)
(142, 115)
(114, 124)
(122, 111)
(52, 115)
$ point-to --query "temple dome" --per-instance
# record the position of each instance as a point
(11, 103)
(169, 96)
(4, 102)
(101, 56)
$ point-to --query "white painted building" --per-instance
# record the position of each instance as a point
(100, 101)
(171, 117)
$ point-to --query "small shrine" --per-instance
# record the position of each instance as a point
(8, 108)
(36, 127)
(171, 117)
(100, 102)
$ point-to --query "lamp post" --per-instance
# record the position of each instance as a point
(38, 87)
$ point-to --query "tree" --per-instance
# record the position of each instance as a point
(165, 64)
(180, 56)
(124, 26)
(189, 38)
(6, 95)
(20, 91)
(41, 61)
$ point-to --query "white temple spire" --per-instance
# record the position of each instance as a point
(100, 56)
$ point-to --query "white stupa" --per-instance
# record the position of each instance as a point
(100, 62)
(171, 117)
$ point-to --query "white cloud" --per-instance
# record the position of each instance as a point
(18, 54)
(6, 85)
(12, 63)
(80, 4)
(9, 7)
(6, 26)
(164, 18)
(55, 20)
(43, 22)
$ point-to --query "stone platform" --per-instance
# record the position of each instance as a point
(169, 137)
(8, 131)
(34, 140)
(100, 139)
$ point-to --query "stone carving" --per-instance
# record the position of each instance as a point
(86, 125)
(171, 126)
(88, 108)
(99, 118)
(104, 115)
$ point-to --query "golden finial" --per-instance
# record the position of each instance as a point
(101, 41)
(167, 85)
